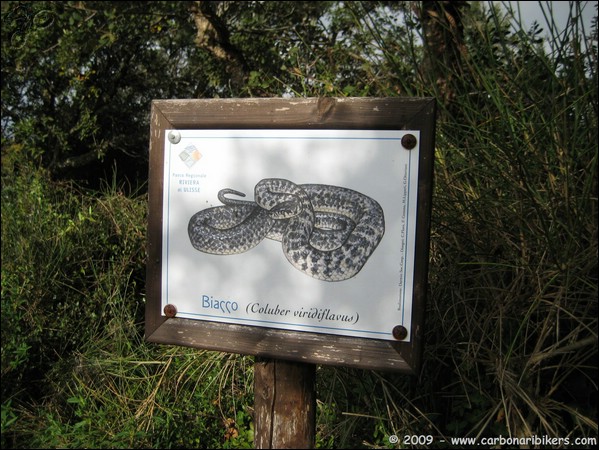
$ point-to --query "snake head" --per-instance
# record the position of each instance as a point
(285, 210)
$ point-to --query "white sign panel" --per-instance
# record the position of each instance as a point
(305, 230)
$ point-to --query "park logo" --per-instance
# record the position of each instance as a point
(190, 155)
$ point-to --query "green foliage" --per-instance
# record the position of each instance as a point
(511, 343)
(66, 258)
(78, 78)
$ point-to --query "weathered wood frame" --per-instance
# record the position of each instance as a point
(280, 113)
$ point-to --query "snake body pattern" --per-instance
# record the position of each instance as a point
(327, 232)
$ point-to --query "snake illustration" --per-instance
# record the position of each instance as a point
(327, 232)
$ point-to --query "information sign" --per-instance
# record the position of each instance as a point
(295, 229)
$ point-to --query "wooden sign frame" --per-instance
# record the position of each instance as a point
(309, 114)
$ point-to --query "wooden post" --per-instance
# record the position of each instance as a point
(284, 404)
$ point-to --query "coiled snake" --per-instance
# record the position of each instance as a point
(327, 232)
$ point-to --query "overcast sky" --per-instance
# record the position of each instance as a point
(533, 10)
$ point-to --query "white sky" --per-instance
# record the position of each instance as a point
(531, 11)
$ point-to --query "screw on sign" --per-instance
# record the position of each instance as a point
(409, 141)
(170, 311)
(400, 332)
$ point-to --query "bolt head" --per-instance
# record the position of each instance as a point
(409, 141)
(170, 311)
(400, 332)
(174, 137)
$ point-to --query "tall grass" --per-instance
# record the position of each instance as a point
(516, 225)
(511, 344)
(512, 315)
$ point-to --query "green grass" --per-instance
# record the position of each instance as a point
(511, 343)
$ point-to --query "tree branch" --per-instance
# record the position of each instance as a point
(213, 35)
